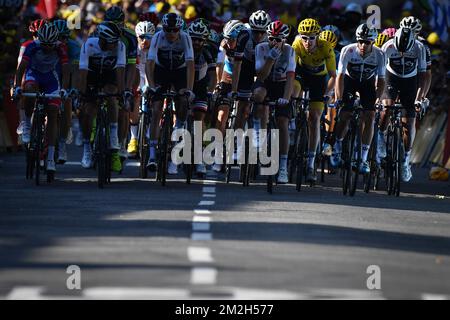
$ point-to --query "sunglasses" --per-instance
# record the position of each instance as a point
(308, 38)
(366, 42)
(171, 30)
(145, 37)
(275, 39)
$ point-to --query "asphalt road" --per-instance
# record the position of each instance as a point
(137, 239)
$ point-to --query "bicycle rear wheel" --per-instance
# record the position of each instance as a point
(39, 144)
(164, 151)
(301, 146)
(269, 148)
(389, 169)
(356, 160)
(347, 150)
(397, 162)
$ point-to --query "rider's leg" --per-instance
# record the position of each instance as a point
(113, 114)
(315, 113)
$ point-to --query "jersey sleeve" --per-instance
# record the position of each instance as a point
(132, 47)
(343, 61)
(221, 56)
(291, 61)
(63, 53)
(242, 40)
(121, 55)
(381, 71)
(259, 57)
(188, 50)
(296, 46)
(330, 59)
(422, 63)
(84, 56)
(154, 47)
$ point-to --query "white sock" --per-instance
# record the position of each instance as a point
(113, 129)
(311, 157)
(283, 161)
(152, 149)
(134, 131)
(338, 145)
(51, 153)
(407, 156)
(365, 152)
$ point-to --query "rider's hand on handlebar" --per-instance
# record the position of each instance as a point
(16, 91)
(189, 94)
(282, 102)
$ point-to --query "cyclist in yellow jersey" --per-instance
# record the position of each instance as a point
(315, 59)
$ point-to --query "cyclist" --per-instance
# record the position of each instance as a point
(170, 63)
(144, 33)
(415, 24)
(128, 37)
(205, 74)
(361, 69)
(226, 58)
(102, 65)
(244, 63)
(74, 54)
(44, 63)
(34, 27)
(315, 60)
(329, 34)
(405, 78)
(275, 70)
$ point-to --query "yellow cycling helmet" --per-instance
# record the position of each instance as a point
(329, 37)
(381, 39)
(309, 26)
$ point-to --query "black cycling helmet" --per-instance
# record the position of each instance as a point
(172, 20)
(108, 31)
(115, 14)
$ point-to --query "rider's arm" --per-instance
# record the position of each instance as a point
(381, 73)
(83, 67)
(19, 72)
(121, 66)
(421, 69)
(131, 69)
(151, 60)
(220, 64)
(330, 63)
(190, 63)
(290, 76)
(339, 82)
(263, 64)
(238, 56)
(150, 72)
(339, 87)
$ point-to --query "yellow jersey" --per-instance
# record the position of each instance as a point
(317, 63)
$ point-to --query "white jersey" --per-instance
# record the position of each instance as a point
(409, 64)
(93, 58)
(142, 60)
(361, 68)
(171, 55)
(282, 66)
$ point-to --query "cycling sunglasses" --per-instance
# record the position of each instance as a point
(366, 42)
(275, 39)
(145, 37)
(310, 38)
(171, 30)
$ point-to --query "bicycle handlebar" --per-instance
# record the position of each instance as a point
(40, 95)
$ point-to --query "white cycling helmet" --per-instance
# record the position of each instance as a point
(232, 29)
(412, 23)
(363, 32)
(259, 20)
(198, 29)
(404, 39)
(145, 28)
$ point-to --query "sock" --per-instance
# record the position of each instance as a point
(134, 131)
(113, 128)
(257, 124)
(76, 124)
(365, 152)
(51, 153)
(28, 120)
(338, 145)
(179, 124)
(152, 149)
(86, 144)
(283, 161)
(311, 157)
(407, 156)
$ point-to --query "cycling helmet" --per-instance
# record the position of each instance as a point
(390, 32)
(214, 36)
(329, 36)
(172, 20)
(413, 23)
(184, 27)
(115, 14)
(198, 29)
(62, 27)
(309, 26)
(108, 31)
(363, 32)
(333, 29)
(381, 39)
(404, 39)
(278, 29)
(144, 28)
(35, 25)
(259, 20)
(232, 29)
(48, 34)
